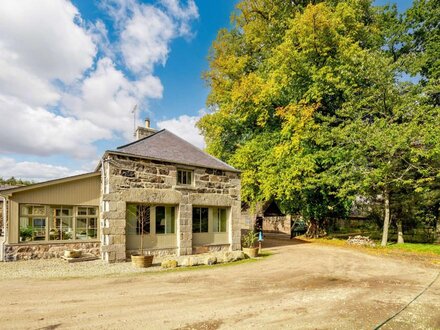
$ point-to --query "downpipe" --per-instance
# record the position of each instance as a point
(5, 228)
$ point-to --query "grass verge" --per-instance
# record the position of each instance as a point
(429, 253)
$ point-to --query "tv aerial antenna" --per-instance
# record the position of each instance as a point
(134, 119)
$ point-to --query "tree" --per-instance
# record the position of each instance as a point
(15, 182)
(275, 99)
(308, 102)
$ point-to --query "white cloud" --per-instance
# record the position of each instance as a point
(34, 130)
(42, 46)
(145, 39)
(183, 14)
(106, 97)
(43, 38)
(185, 127)
(147, 30)
(27, 170)
(20, 83)
(63, 84)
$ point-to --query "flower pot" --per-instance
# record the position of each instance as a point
(142, 261)
(251, 252)
(72, 253)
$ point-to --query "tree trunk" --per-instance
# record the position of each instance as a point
(386, 219)
(399, 232)
(315, 229)
(437, 231)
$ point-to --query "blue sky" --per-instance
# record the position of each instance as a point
(70, 73)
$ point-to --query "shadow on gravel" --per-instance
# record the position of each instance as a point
(278, 240)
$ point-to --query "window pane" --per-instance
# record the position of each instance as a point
(61, 224)
(25, 210)
(66, 228)
(160, 220)
(204, 220)
(81, 228)
(92, 210)
(170, 220)
(196, 220)
(26, 231)
(38, 210)
(54, 229)
(184, 177)
(222, 217)
(189, 177)
(215, 220)
(39, 229)
(82, 211)
(143, 219)
(131, 219)
(92, 229)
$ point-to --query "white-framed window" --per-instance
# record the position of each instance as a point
(138, 219)
(209, 219)
(57, 222)
(184, 177)
(155, 219)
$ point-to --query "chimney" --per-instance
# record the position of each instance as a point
(143, 132)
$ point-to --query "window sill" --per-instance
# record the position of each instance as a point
(184, 187)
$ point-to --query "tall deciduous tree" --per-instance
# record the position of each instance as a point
(306, 100)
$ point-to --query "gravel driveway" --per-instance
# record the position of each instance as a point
(302, 286)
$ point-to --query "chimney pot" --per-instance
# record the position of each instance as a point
(147, 122)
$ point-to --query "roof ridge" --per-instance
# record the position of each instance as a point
(192, 145)
(134, 142)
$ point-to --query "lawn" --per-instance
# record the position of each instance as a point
(416, 248)
(416, 251)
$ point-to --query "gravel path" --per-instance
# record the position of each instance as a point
(58, 268)
(301, 286)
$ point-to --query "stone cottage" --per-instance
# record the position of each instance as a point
(190, 202)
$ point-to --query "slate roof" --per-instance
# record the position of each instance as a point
(7, 186)
(164, 145)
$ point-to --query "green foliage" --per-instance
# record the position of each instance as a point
(417, 248)
(249, 240)
(26, 233)
(15, 182)
(308, 100)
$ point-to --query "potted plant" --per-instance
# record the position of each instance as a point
(248, 244)
(143, 218)
(25, 234)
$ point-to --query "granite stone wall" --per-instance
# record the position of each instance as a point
(23, 251)
(134, 180)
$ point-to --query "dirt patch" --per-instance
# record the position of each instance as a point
(205, 325)
(301, 285)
